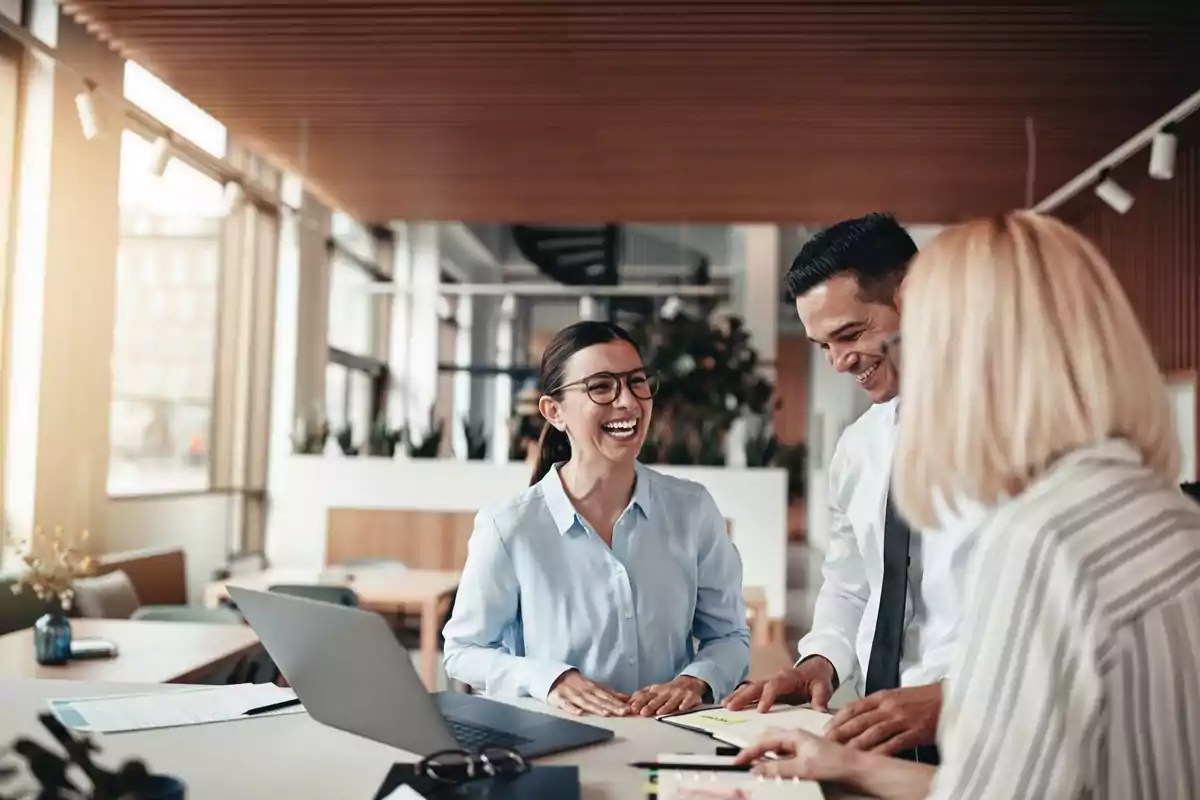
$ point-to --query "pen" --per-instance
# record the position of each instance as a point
(272, 707)
(661, 765)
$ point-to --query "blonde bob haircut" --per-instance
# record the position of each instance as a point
(1018, 347)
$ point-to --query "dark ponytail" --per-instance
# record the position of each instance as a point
(553, 444)
(553, 447)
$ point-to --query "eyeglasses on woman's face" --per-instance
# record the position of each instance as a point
(604, 388)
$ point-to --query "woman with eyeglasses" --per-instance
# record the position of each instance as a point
(589, 589)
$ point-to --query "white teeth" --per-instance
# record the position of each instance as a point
(864, 375)
(621, 428)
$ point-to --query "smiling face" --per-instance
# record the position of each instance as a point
(851, 331)
(613, 432)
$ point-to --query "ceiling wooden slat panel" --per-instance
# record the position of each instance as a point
(660, 110)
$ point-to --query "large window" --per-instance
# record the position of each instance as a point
(166, 322)
(356, 372)
(10, 77)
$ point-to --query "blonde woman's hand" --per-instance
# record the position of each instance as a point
(796, 754)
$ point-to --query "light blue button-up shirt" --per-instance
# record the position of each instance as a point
(541, 593)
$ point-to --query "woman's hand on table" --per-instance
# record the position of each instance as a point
(796, 754)
(575, 694)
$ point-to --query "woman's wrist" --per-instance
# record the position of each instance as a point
(852, 765)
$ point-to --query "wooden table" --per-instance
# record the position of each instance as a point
(387, 589)
(148, 652)
(257, 757)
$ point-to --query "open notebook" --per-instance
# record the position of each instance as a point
(743, 728)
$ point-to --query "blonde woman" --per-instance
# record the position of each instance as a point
(1030, 388)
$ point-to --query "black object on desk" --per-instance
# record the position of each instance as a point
(659, 766)
(560, 783)
(272, 707)
(93, 648)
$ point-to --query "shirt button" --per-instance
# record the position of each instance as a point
(630, 659)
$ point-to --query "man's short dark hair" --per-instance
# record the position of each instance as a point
(875, 249)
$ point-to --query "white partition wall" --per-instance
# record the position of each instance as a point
(304, 488)
(1183, 389)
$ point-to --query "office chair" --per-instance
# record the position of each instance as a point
(340, 595)
(219, 616)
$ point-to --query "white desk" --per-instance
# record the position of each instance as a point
(258, 757)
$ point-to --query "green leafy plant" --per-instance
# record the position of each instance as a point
(71, 773)
(345, 440)
(710, 444)
(428, 445)
(384, 440)
(761, 445)
(477, 443)
(709, 376)
(310, 436)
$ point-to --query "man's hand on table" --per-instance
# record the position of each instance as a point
(889, 721)
(809, 681)
(681, 694)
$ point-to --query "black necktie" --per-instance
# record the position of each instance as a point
(883, 669)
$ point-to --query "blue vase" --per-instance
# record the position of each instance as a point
(52, 639)
(162, 787)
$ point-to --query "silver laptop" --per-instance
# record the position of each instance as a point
(351, 673)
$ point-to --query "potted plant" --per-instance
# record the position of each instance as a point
(428, 445)
(74, 774)
(52, 564)
(309, 436)
(383, 440)
(709, 376)
(477, 443)
(345, 440)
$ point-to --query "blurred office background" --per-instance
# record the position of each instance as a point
(278, 276)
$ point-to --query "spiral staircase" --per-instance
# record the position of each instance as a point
(590, 255)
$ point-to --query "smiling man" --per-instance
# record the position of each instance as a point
(886, 614)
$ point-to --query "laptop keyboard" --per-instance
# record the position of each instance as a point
(477, 737)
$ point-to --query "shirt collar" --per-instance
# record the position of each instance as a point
(564, 513)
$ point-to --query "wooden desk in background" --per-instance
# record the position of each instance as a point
(148, 652)
(389, 590)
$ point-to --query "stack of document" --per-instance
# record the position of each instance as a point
(168, 709)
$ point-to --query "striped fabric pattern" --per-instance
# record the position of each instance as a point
(1077, 673)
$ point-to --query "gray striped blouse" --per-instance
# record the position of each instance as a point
(1077, 672)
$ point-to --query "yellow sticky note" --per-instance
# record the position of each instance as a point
(722, 719)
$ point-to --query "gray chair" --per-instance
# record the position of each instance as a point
(340, 595)
(107, 596)
(220, 616)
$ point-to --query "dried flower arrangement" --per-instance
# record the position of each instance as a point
(53, 562)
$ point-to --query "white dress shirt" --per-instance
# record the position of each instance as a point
(848, 604)
(541, 593)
